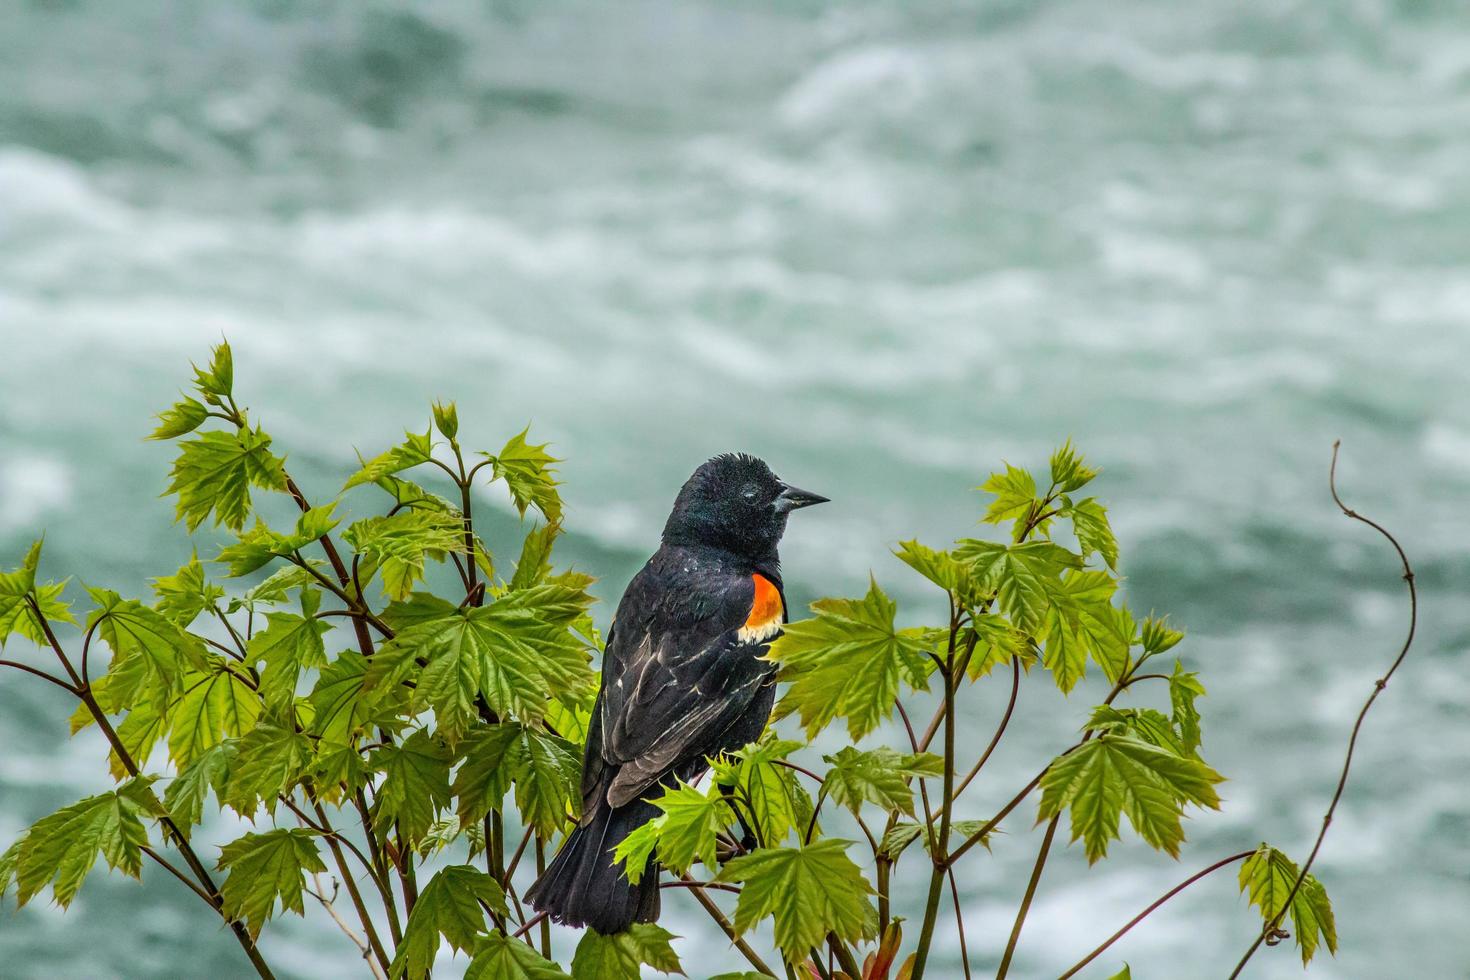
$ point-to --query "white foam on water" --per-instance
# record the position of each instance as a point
(31, 487)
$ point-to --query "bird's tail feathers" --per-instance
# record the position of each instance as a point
(584, 886)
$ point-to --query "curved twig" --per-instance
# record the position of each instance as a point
(41, 674)
(717, 885)
(1150, 910)
(1378, 687)
(362, 946)
(87, 649)
(708, 904)
(999, 731)
(163, 863)
(801, 769)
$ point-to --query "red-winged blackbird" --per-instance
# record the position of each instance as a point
(682, 679)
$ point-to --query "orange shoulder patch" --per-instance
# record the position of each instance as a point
(765, 610)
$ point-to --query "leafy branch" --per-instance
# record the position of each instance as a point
(407, 709)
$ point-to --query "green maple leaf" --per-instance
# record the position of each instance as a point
(1184, 689)
(338, 771)
(288, 645)
(879, 776)
(273, 589)
(1094, 533)
(215, 705)
(944, 570)
(1066, 652)
(847, 662)
(1082, 624)
(682, 834)
(260, 545)
(1015, 495)
(189, 790)
(406, 493)
(514, 652)
(415, 784)
(807, 892)
(534, 564)
(215, 471)
(453, 905)
(1153, 727)
(1158, 636)
(217, 382)
(623, 955)
(1068, 471)
(139, 732)
(61, 849)
(1116, 774)
(997, 642)
(1027, 578)
(527, 471)
(1268, 876)
(777, 801)
(265, 869)
(544, 770)
(341, 701)
(904, 833)
(415, 450)
(446, 420)
(396, 547)
(180, 420)
(16, 614)
(270, 760)
(8, 862)
(499, 957)
(150, 653)
(182, 596)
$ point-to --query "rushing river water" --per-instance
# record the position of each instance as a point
(883, 245)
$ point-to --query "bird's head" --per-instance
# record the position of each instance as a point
(735, 502)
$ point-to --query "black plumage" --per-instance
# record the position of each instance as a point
(682, 679)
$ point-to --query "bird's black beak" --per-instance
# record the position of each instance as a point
(792, 498)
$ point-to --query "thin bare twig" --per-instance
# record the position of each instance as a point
(994, 739)
(533, 920)
(39, 673)
(1051, 832)
(717, 885)
(959, 921)
(367, 953)
(163, 863)
(234, 635)
(1378, 687)
(87, 649)
(1223, 862)
(1005, 962)
(333, 838)
(515, 860)
(801, 769)
(708, 904)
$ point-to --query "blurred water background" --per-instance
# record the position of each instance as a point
(883, 245)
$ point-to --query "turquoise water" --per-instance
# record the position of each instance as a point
(882, 245)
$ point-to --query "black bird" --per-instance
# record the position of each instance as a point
(681, 679)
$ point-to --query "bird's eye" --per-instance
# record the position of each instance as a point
(749, 492)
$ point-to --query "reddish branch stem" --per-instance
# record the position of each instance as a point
(1378, 687)
(1223, 862)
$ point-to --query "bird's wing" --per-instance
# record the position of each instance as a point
(679, 678)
